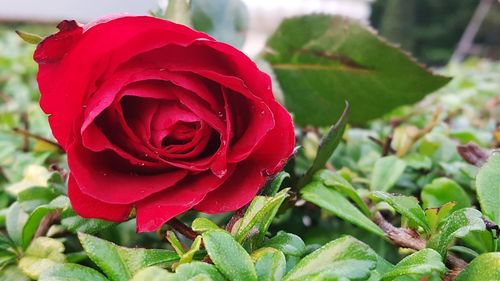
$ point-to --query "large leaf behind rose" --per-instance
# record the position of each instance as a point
(320, 61)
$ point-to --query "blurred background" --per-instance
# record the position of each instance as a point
(429, 29)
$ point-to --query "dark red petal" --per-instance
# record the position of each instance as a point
(236, 192)
(55, 46)
(88, 207)
(159, 208)
(99, 177)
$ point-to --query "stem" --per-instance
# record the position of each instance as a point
(50, 219)
(27, 134)
(183, 229)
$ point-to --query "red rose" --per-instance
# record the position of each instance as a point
(160, 118)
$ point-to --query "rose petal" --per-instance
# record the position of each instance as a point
(100, 177)
(156, 210)
(88, 207)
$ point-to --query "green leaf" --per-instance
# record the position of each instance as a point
(333, 201)
(120, 263)
(386, 173)
(288, 243)
(435, 216)
(153, 273)
(345, 257)
(407, 206)
(74, 223)
(33, 197)
(42, 254)
(488, 187)
(338, 182)
(321, 60)
(327, 146)
(422, 263)
(442, 191)
(270, 264)
(483, 268)
(71, 272)
(276, 183)
(260, 214)
(196, 268)
(225, 20)
(34, 219)
(204, 224)
(228, 256)
(29, 38)
(458, 224)
(12, 273)
(15, 220)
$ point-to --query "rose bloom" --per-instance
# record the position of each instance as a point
(158, 117)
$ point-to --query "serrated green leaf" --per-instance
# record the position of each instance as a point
(321, 60)
(260, 214)
(488, 187)
(71, 272)
(336, 181)
(327, 146)
(386, 173)
(15, 221)
(407, 206)
(442, 191)
(270, 264)
(75, 223)
(119, 263)
(345, 257)
(225, 20)
(333, 201)
(42, 254)
(228, 256)
(486, 267)
(422, 263)
(204, 224)
(458, 224)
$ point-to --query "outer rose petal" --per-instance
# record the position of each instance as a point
(88, 207)
(155, 210)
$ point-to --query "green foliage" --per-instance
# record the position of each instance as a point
(333, 59)
(308, 222)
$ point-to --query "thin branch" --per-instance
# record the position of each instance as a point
(28, 134)
(47, 221)
(183, 229)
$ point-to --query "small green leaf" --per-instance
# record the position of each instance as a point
(327, 146)
(42, 254)
(486, 267)
(28, 37)
(458, 224)
(204, 224)
(407, 206)
(260, 214)
(422, 263)
(120, 263)
(33, 197)
(196, 268)
(15, 221)
(12, 273)
(75, 223)
(488, 187)
(386, 173)
(188, 256)
(276, 183)
(345, 257)
(336, 181)
(225, 20)
(290, 244)
(71, 272)
(270, 264)
(228, 256)
(153, 273)
(333, 201)
(435, 216)
(442, 191)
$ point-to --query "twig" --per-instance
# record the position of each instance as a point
(47, 221)
(407, 238)
(183, 229)
(238, 214)
(26, 125)
(28, 134)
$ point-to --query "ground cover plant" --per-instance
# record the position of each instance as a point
(391, 171)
